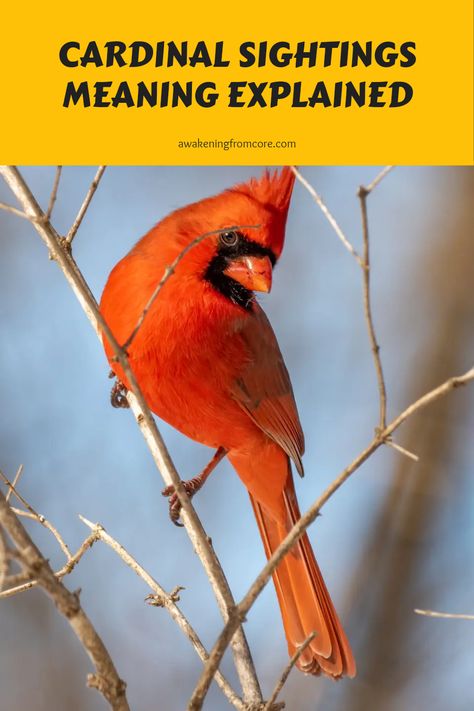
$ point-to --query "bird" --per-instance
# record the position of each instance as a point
(208, 363)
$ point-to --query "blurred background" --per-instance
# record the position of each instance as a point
(397, 536)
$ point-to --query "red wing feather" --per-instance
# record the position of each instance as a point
(264, 390)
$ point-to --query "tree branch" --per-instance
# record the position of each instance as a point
(31, 513)
(362, 195)
(444, 615)
(240, 611)
(54, 193)
(378, 178)
(15, 481)
(16, 584)
(364, 263)
(13, 210)
(330, 218)
(83, 209)
(106, 679)
(168, 600)
(270, 705)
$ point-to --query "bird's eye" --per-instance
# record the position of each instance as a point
(229, 239)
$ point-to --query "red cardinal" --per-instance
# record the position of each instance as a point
(208, 363)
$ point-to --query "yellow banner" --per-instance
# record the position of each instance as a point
(237, 83)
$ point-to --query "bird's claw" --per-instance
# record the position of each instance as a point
(118, 395)
(190, 487)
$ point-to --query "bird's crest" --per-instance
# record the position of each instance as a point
(272, 191)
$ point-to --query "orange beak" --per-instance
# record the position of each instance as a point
(254, 273)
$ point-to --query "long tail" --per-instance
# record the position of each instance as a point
(304, 600)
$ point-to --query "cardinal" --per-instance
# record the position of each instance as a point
(208, 363)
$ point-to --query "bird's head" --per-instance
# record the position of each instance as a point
(244, 230)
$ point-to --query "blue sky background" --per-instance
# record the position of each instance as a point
(398, 535)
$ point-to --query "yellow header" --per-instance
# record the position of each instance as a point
(244, 83)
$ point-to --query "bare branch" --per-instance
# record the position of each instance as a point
(16, 584)
(48, 525)
(83, 209)
(15, 481)
(105, 679)
(270, 705)
(443, 389)
(362, 194)
(13, 210)
(243, 660)
(402, 450)
(167, 600)
(331, 219)
(23, 581)
(31, 513)
(171, 269)
(240, 611)
(54, 193)
(378, 178)
(364, 263)
(444, 615)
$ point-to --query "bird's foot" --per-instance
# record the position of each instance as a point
(118, 394)
(191, 487)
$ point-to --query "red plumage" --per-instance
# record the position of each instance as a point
(208, 363)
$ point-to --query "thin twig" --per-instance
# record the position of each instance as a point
(169, 602)
(240, 611)
(54, 192)
(378, 178)
(48, 525)
(16, 582)
(242, 657)
(83, 209)
(402, 450)
(331, 219)
(17, 586)
(13, 210)
(171, 269)
(269, 706)
(14, 587)
(31, 513)
(362, 194)
(364, 263)
(15, 481)
(444, 615)
(105, 678)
